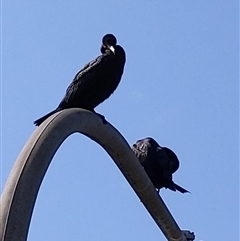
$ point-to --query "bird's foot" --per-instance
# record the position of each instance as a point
(103, 118)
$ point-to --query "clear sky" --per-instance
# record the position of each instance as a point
(180, 86)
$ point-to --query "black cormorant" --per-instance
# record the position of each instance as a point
(159, 163)
(96, 81)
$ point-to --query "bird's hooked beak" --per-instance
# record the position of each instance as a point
(112, 49)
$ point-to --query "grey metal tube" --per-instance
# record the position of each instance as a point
(21, 189)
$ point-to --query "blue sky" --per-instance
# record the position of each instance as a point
(180, 86)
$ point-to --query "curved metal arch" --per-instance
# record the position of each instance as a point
(21, 189)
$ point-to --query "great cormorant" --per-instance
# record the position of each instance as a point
(159, 163)
(96, 81)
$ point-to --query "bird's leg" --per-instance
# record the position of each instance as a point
(102, 117)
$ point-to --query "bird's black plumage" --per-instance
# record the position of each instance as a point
(159, 163)
(96, 81)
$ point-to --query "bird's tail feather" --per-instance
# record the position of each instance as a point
(180, 189)
(39, 121)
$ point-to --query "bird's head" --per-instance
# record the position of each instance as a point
(174, 162)
(109, 41)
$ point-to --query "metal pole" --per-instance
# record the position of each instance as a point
(21, 189)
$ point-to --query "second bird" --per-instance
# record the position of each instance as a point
(96, 81)
(159, 163)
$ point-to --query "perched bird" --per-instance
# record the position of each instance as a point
(159, 163)
(96, 81)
